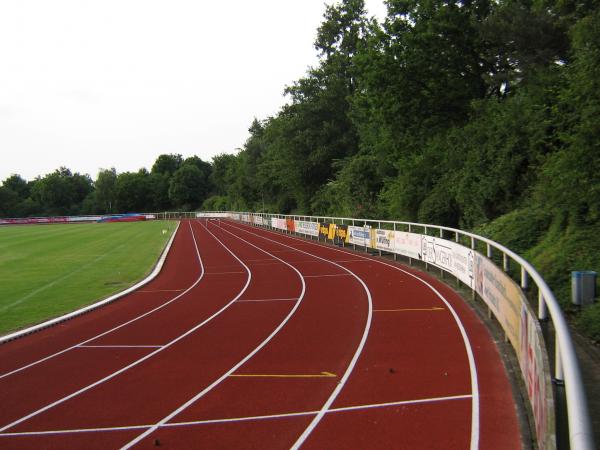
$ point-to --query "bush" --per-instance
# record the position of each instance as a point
(589, 321)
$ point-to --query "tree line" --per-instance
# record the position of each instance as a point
(447, 112)
(172, 183)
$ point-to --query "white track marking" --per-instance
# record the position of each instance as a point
(144, 358)
(53, 355)
(357, 352)
(221, 273)
(270, 299)
(119, 346)
(243, 419)
(468, 348)
(329, 275)
(239, 364)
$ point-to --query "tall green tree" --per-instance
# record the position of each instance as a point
(188, 188)
(106, 190)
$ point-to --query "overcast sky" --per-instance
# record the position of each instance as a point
(115, 83)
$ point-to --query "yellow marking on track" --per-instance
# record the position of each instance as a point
(281, 375)
(409, 309)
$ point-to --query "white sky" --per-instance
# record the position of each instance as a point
(91, 84)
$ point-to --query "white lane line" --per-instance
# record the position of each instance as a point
(53, 355)
(239, 364)
(120, 346)
(269, 299)
(328, 275)
(357, 352)
(144, 358)
(221, 273)
(467, 343)
(243, 419)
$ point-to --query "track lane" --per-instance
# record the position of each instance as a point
(406, 422)
(21, 392)
(497, 408)
(205, 361)
(321, 334)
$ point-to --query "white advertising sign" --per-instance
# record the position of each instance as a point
(278, 223)
(407, 244)
(450, 256)
(359, 235)
(385, 240)
(308, 228)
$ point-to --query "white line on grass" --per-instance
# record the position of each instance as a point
(58, 280)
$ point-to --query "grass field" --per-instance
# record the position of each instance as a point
(48, 270)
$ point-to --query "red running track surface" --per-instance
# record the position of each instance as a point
(254, 339)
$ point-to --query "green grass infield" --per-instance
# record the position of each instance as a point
(49, 270)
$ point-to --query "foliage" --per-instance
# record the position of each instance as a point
(589, 321)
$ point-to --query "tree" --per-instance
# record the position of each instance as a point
(105, 189)
(133, 192)
(167, 164)
(188, 187)
(18, 185)
(61, 192)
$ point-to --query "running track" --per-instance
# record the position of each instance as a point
(254, 339)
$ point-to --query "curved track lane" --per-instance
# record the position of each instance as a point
(279, 342)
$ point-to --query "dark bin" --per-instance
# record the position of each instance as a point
(583, 287)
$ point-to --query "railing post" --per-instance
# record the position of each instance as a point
(524, 279)
(395, 254)
(542, 308)
(379, 227)
(558, 367)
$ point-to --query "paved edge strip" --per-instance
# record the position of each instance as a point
(57, 320)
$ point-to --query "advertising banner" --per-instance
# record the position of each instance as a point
(450, 256)
(502, 295)
(341, 234)
(218, 214)
(307, 228)
(385, 240)
(407, 244)
(536, 370)
(324, 230)
(245, 218)
(289, 223)
(278, 223)
(359, 235)
(258, 220)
